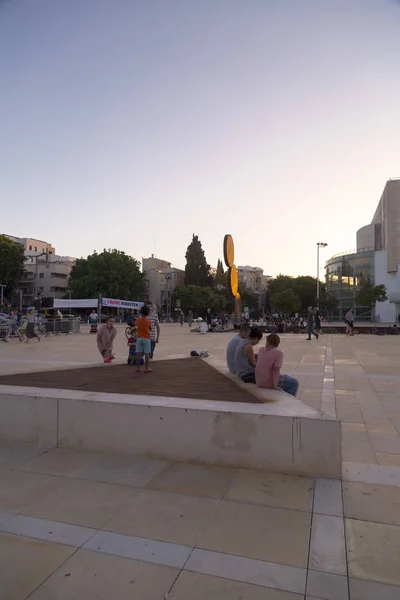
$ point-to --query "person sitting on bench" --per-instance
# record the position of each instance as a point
(268, 369)
(233, 344)
(245, 360)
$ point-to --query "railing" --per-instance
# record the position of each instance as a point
(45, 327)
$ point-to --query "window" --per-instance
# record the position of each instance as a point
(41, 275)
(35, 248)
(30, 247)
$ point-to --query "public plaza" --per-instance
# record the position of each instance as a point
(84, 524)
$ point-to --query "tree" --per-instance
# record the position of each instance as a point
(304, 287)
(197, 270)
(368, 294)
(220, 278)
(113, 274)
(12, 260)
(327, 301)
(286, 301)
(199, 298)
(248, 298)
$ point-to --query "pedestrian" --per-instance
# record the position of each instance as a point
(349, 320)
(310, 324)
(209, 319)
(317, 321)
(181, 318)
(143, 345)
(105, 340)
(30, 327)
(190, 318)
(155, 328)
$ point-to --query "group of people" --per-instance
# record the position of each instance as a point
(145, 334)
(263, 369)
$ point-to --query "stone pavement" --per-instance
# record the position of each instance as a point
(86, 525)
(82, 525)
(355, 379)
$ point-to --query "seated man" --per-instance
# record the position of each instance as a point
(233, 344)
(268, 369)
(245, 360)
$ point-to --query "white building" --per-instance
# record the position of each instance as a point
(253, 279)
(377, 258)
(46, 273)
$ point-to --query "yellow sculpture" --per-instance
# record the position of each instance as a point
(233, 278)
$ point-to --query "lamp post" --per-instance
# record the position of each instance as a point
(168, 277)
(319, 245)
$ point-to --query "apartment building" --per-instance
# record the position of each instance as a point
(161, 278)
(46, 273)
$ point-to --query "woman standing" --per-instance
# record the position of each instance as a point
(105, 340)
(30, 327)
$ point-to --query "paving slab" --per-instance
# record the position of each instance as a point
(372, 502)
(94, 576)
(373, 551)
(272, 489)
(164, 516)
(199, 480)
(261, 532)
(200, 587)
(26, 563)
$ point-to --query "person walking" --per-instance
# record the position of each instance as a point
(30, 327)
(310, 324)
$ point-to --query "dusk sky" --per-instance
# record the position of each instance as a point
(133, 124)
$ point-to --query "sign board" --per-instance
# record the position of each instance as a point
(246, 309)
(178, 303)
(122, 303)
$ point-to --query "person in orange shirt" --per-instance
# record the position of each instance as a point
(143, 345)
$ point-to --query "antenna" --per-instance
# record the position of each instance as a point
(155, 247)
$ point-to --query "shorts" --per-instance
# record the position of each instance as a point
(143, 346)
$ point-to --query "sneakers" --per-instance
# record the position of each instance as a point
(108, 360)
(148, 370)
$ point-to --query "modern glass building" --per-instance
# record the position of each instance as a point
(377, 259)
(343, 276)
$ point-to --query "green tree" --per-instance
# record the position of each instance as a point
(113, 274)
(304, 287)
(368, 294)
(220, 278)
(327, 301)
(12, 260)
(286, 301)
(197, 270)
(248, 298)
(198, 299)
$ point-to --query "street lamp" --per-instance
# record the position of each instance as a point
(319, 245)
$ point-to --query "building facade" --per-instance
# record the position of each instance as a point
(161, 279)
(46, 273)
(253, 279)
(376, 259)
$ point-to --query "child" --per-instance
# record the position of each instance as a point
(268, 369)
(132, 357)
(143, 345)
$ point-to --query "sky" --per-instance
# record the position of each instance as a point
(133, 124)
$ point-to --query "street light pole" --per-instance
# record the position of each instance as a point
(319, 245)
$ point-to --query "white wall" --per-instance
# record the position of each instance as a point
(387, 311)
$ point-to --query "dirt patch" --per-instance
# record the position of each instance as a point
(180, 378)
